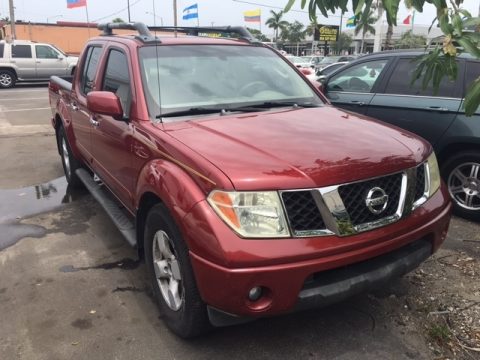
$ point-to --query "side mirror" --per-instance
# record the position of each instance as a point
(105, 103)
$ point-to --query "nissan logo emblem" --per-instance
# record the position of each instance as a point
(376, 200)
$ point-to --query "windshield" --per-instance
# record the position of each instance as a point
(181, 77)
(329, 59)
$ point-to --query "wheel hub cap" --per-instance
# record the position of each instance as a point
(167, 271)
(5, 79)
(464, 185)
(66, 158)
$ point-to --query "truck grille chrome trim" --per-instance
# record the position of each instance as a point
(344, 208)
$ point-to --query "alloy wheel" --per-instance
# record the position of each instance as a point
(464, 185)
(167, 271)
(5, 80)
(66, 157)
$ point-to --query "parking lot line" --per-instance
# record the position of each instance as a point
(30, 109)
(35, 98)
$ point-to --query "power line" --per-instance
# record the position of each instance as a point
(117, 12)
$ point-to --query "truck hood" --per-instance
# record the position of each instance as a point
(300, 148)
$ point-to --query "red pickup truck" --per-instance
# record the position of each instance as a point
(245, 191)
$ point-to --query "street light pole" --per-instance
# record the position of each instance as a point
(175, 16)
(12, 20)
(128, 5)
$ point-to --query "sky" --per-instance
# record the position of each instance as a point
(211, 12)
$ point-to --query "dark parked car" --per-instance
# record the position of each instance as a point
(378, 85)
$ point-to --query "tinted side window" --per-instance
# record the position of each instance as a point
(472, 73)
(117, 79)
(2, 46)
(46, 52)
(90, 68)
(357, 78)
(401, 78)
(21, 51)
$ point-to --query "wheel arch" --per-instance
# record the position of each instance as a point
(455, 148)
(162, 181)
(10, 69)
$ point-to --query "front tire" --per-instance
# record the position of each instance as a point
(69, 162)
(7, 79)
(171, 274)
(461, 172)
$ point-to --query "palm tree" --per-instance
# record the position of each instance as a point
(365, 25)
(294, 33)
(276, 23)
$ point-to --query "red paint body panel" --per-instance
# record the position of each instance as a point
(182, 162)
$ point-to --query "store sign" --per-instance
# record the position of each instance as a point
(327, 33)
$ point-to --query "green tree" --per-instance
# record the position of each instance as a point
(343, 43)
(118, 20)
(437, 62)
(258, 34)
(276, 23)
(409, 40)
(294, 32)
(365, 24)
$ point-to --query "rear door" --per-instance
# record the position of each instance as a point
(353, 87)
(22, 57)
(112, 139)
(49, 62)
(412, 108)
(84, 83)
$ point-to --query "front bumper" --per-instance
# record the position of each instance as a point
(321, 280)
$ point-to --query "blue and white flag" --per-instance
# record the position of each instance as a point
(190, 12)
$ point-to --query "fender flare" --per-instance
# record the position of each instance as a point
(171, 185)
(63, 118)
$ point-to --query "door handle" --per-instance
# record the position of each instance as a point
(437, 108)
(356, 102)
(94, 122)
(74, 106)
(38, 62)
(13, 61)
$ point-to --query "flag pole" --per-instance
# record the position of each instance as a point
(88, 20)
(413, 19)
(198, 17)
(175, 17)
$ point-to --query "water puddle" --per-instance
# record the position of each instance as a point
(18, 204)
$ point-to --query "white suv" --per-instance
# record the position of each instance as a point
(30, 61)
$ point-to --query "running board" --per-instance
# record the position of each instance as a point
(111, 207)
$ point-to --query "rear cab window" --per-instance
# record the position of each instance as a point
(400, 82)
(21, 51)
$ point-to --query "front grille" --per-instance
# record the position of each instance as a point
(302, 211)
(354, 196)
(420, 182)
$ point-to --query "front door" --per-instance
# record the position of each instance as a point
(353, 88)
(111, 138)
(49, 62)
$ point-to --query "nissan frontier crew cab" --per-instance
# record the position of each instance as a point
(246, 192)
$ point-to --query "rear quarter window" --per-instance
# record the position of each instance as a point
(2, 47)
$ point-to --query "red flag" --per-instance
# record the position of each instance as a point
(407, 20)
(76, 3)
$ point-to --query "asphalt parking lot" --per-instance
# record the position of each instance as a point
(72, 288)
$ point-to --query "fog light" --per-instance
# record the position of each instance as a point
(255, 293)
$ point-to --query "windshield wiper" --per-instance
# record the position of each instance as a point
(294, 104)
(207, 110)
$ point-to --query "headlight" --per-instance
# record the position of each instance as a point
(251, 214)
(434, 174)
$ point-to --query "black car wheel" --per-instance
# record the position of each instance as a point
(461, 172)
(7, 79)
(171, 274)
(69, 162)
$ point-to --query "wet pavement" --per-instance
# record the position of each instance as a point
(18, 204)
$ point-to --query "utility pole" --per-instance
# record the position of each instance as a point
(12, 19)
(128, 5)
(175, 16)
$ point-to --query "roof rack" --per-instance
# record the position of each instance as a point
(143, 33)
(146, 36)
(240, 31)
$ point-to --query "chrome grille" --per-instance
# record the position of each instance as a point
(302, 211)
(420, 183)
(354, 195)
